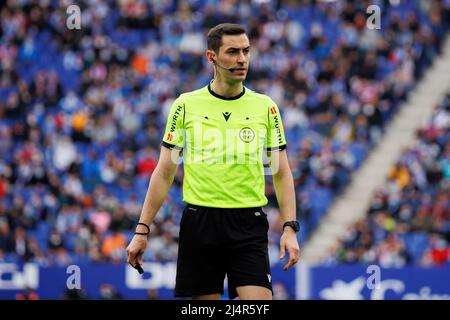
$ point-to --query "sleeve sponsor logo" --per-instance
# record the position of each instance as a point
(273, 110)
(175, 117)
(278, 129)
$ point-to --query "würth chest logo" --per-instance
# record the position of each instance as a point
(226, 115)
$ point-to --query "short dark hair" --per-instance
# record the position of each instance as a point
(214, 39)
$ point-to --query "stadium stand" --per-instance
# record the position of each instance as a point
(408, 218)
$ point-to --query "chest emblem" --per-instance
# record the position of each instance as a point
(226, 115)
(247, 134)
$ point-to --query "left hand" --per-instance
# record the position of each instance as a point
(289, 242)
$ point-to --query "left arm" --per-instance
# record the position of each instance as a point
(285, 192)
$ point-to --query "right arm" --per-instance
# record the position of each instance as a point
(160, 183)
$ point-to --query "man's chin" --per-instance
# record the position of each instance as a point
(238, 78)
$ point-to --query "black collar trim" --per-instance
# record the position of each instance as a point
(226, 98)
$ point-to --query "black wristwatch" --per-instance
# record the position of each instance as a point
(293, 224)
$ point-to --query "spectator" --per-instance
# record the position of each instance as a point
(109, 292)
(27, 294)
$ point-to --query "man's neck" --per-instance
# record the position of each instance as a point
(227, 90)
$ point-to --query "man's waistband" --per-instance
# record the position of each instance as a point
(228, 210)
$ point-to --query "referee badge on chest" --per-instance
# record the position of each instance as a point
(247, 134)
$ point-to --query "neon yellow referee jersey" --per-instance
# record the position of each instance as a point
(223, 141)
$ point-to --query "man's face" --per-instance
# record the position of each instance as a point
(234, 53)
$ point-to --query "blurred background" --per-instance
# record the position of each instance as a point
(366, 114)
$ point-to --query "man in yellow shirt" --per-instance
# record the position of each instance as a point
(223, 130)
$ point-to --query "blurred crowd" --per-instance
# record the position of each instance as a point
(409, 217)
(82, 112)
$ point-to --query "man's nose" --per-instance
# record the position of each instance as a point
(241, 57)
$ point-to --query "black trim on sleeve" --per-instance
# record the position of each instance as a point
(184, 112)
(171, 146)
(279, 148)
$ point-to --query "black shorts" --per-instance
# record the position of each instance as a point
(215, 242)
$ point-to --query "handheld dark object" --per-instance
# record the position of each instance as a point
(139, 268)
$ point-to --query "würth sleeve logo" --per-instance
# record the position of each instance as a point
(273, 110)
(169, 137)
(176, 115)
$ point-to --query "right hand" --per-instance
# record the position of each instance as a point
(136, 249)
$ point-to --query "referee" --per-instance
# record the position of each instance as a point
(224, 131)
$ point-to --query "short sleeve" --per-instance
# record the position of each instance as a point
(275, 131)
(174, 132)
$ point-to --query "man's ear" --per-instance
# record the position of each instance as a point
(210, 55)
